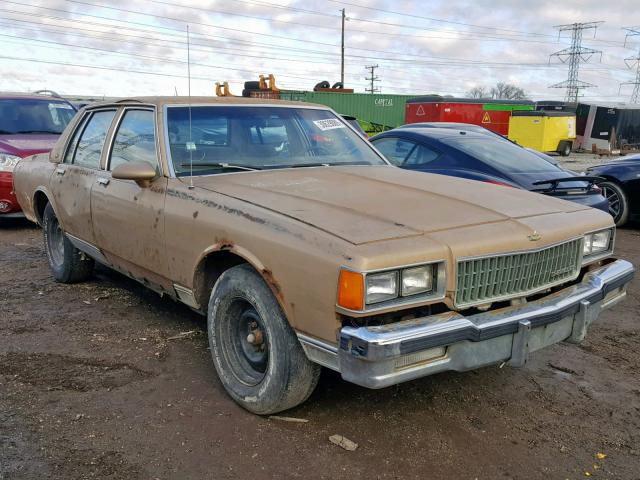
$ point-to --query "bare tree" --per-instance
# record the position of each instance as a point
(478, 92)
(506, 91)
(502, 91)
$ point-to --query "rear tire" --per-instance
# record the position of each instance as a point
(256, 353)
(618, 202)
(68, 264)
(565, 149)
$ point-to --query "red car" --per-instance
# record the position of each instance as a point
(29, 124)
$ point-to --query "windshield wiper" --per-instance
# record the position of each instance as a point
(39, 131)
(229, 166)
(316, 164)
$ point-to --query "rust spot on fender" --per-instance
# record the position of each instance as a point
(271, 281)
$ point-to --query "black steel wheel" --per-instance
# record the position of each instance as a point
(68, 264)
(618, 203)
(246, 347)
(257, 355)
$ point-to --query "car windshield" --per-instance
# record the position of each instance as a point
(34, 116)
(504, 156)
(245, 137)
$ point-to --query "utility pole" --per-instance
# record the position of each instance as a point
(373, 78)
(631, 63)
(342, 51)
(573, 55)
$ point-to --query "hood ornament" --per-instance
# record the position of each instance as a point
(535, 236)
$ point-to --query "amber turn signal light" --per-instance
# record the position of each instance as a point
(351, 290)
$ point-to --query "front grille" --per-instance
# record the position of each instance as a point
(500, 277)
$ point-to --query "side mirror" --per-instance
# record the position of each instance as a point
(140, 172)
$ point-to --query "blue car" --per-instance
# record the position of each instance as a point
(477, 156)
(621, 186)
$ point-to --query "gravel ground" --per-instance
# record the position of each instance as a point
(105, 380)
(579, 162)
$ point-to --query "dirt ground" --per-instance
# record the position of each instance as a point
(106, 380)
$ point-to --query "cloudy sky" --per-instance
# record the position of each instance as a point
(135, 47)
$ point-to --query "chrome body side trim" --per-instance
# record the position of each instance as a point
(85, 247)
(320, 352)
(186, 296)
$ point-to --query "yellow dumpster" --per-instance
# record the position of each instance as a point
(543, 131)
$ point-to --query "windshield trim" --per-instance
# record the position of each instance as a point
(167, 145)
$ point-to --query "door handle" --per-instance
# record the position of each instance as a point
(103, 181)
(60, 170)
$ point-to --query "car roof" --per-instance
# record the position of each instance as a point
(438, 133)
(29, 96)
(202, 100)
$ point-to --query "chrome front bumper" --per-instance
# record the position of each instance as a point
(377, 357)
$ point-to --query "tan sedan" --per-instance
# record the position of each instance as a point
(305, 248)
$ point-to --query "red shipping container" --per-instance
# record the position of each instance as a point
(491, 114)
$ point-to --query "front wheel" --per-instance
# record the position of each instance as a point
(68, 264)
(618, 203)
(256, 353)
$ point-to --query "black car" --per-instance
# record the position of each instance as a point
(621, 186)
(478, 156)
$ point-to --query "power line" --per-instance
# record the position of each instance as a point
(473, 37)
(440, 20)
(373, 78)
(413, 59)
(130, 22)
(574, 55)
(631, 62)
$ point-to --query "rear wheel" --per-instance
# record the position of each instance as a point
(565, 149)
(68, 264)
(618, 202)
(256, 353)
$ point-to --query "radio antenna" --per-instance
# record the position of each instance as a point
(191, 146)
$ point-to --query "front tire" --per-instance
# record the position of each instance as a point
(256, 353)
(68, 264)
(618, 202)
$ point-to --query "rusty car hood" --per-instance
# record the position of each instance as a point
(363, 204)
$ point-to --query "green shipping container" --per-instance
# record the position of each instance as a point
(378, 109)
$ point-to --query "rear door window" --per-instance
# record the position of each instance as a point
(89, 148)
(396, 150)
(135, 140)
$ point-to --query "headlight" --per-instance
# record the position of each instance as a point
(363, 291)
(8, 162)
(417, 280)
(597, 243)
(381, 287)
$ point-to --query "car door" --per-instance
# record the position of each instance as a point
(74, 178)
(128, 219)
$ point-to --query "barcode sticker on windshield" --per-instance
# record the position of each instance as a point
(328, 124)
